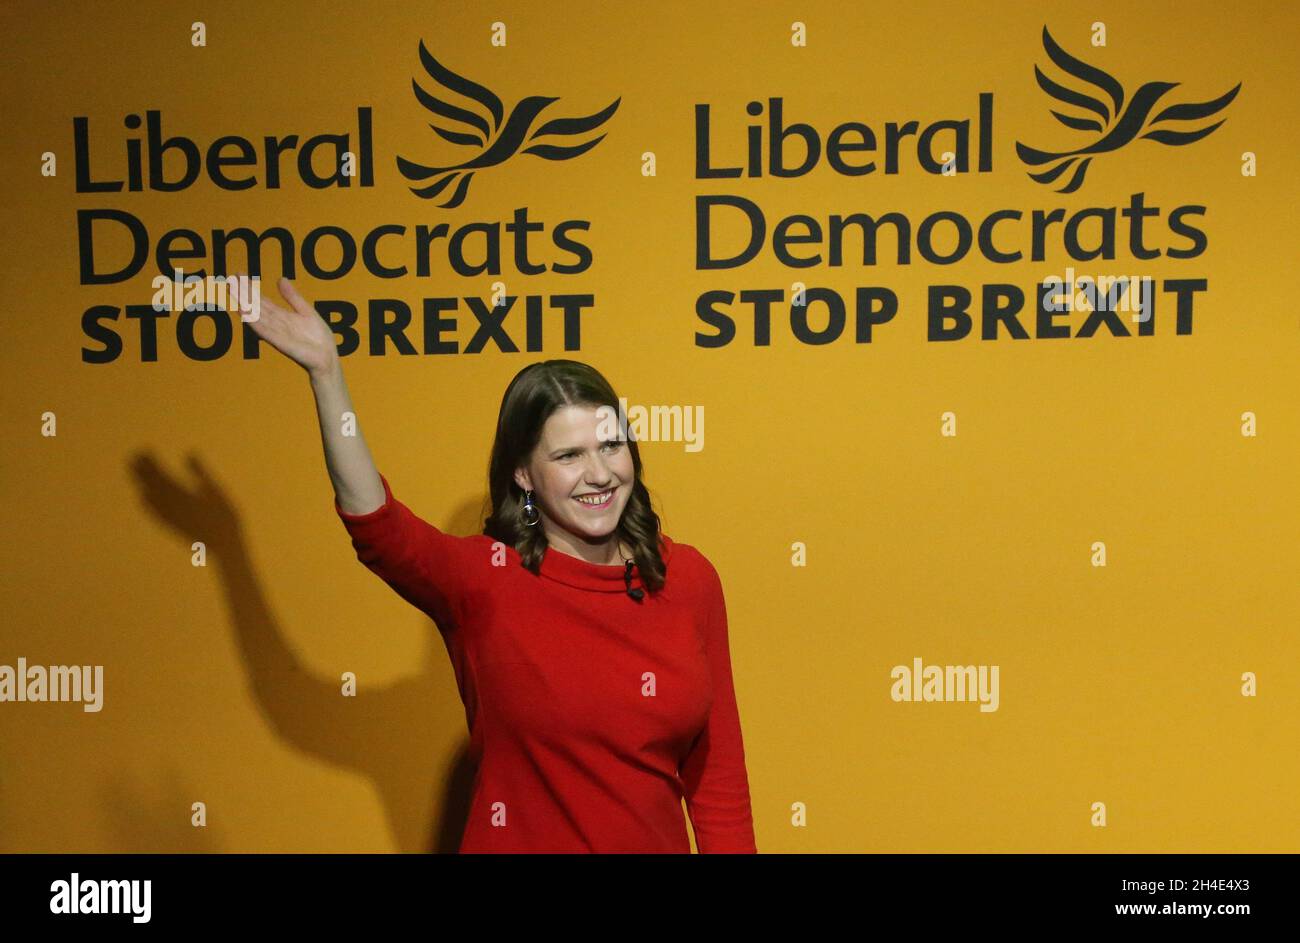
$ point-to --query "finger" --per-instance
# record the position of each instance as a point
(232, 290)
(294, 298)
(264, 316)
(271, 326)
(241, 292)
(245, 299)
(274, 319)
(264, 305)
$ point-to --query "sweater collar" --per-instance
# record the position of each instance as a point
(572, 571)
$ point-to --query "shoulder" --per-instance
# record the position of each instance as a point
(691, 564)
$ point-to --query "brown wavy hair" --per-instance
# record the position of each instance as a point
(533, 395)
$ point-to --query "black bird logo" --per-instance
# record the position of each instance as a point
(1118, 125)
(477, 133)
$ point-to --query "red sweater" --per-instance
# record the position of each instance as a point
(591, 714)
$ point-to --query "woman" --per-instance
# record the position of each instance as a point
(590, 650)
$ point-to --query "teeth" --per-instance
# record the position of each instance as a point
(597, 499)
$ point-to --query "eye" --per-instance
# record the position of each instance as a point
(615, 444)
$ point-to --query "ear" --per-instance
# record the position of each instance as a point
(523, 480)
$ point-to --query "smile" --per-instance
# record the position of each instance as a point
(597, 501)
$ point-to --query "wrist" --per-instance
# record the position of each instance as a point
(331, 371)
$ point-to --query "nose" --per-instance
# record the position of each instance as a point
(598, 474)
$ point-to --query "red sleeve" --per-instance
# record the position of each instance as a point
(430, 569)
(713, 774)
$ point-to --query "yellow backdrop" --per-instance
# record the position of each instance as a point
(1108, 519)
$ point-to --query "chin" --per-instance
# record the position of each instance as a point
(593, 533)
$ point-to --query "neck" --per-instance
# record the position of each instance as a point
(597, 553)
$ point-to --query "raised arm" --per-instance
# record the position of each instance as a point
(351, 467)
(432, 570)
(302, 335)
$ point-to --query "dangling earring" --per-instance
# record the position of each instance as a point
(530, 508)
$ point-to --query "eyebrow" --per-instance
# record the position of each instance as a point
(577, 448)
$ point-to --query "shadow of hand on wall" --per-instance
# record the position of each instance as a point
(382, 733)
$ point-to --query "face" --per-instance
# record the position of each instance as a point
(579, 455)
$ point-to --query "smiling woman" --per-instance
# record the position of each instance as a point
(556, 451)
(592, 472)
(597, 696)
